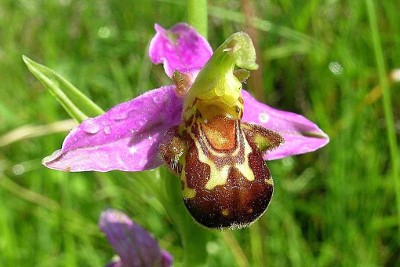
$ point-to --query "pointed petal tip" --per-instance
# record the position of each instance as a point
(110, 216)
(157, 27)
(51, 161)
(116, 262)
(300, 134)
(166, 258)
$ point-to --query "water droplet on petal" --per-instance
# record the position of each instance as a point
(91, 127)
(132, 150)
(107, 130)
(158, 99)
(119, 116)
(263, 117)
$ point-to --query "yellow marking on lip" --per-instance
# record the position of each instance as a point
(269, 181)
(225, 212)
(217, 153)
(219, 176)
(187, 192)
(244, 168)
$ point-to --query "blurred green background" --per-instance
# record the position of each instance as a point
(333, 207)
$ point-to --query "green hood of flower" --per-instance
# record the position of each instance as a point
(216, 90)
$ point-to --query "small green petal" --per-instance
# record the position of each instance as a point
(217, 88)
(78, 106)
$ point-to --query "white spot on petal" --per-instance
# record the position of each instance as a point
(107, 130)
(158, 99)
(132, 150)
(263, 117)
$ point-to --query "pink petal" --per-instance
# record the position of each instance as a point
(133, 244)
(115, 263)
(181, 48)
(300, 134)
(167, 259)
(124, 138)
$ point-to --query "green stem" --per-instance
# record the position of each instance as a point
(194, 238)
(197, 15)
(386, 101)
(256, 238)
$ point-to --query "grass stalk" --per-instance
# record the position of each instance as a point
(386, 100)
(197, 15)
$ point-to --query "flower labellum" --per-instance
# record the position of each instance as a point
(205, 128)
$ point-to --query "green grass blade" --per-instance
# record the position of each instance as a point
(386, 100)
(74, 101)
(197, 15)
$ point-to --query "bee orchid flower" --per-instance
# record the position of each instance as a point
(204, 128)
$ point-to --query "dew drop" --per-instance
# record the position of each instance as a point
(335, 68)
(158, 99)
(395, 75)
(141, 123)
(89, 126)
(213, 247)
(288, 161)
(263, 117)
(104, 32)
(64, 2)
(18, 169)
(107, 130)
(119, 116)
(169, 46)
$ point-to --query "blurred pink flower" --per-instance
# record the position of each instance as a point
(133, 244)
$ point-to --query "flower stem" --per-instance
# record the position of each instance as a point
(197, 15)
(194, 238)
(386, 101)
(256, 239)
